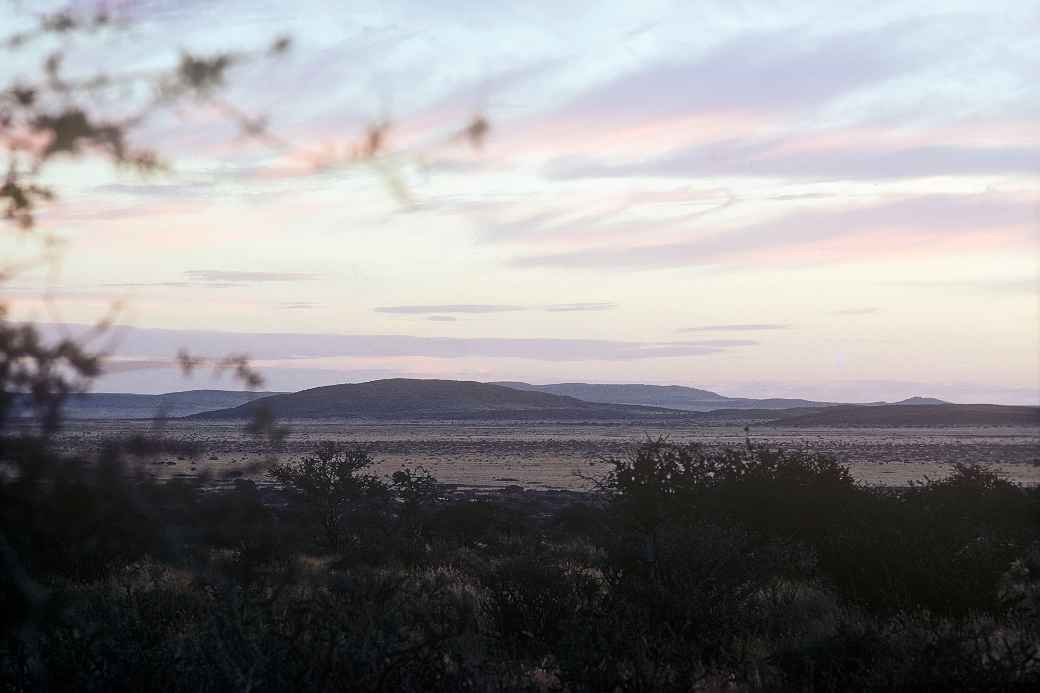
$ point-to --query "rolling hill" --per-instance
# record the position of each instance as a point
(915, 414)
(669, 396)
(413, 399)
(405, 398)
(115, 405)
(917, 401)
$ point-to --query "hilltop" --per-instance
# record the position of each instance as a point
(406, 398)
(669, 396)
(917, 401)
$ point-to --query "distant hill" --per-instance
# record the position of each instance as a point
(916, 401)
(914, 414)
(105, 405)
(669, 396)
(405, 398)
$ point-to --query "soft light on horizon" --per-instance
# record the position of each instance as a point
(797, 202)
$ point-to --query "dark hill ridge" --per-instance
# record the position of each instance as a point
(916, 415)
(406, 398)
(119, 405)
(669, 396)
(412, 399)
(917, 401)
(595, 392)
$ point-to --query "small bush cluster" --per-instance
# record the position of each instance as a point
(689, 569)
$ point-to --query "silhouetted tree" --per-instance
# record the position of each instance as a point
(330, 484)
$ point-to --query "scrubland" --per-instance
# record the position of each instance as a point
(678, 567)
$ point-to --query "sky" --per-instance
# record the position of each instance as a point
(826, 200)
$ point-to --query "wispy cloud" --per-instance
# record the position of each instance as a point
(854, 154)
(831, 233)
(472, 308)
(219, 276)
(222, 279)
(866, 310)
(553, 220)
(579, 307)
(157, 190)
(442, 318)
(145, 343)
(771, 71)
(112, 366)
(739, 327)
(480, 308)
(168, 285)
(1025, 285)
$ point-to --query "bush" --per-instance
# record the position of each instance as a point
(941, 545)
(695, 569)
(533, 603)
(333, 491)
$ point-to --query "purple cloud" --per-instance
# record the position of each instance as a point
(147, 343)
(765, 159)
(772, 71)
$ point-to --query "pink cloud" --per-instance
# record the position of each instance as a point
(927, 224)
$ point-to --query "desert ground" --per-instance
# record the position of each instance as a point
(564, 456)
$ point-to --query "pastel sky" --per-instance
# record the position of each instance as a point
(829, 200)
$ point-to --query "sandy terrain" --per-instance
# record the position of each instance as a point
(555, 456)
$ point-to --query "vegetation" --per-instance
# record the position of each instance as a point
(748, 568)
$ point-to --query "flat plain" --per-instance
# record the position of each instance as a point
(565, 456)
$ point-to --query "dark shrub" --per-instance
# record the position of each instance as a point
(580, 519)
(941, 545)
(333, 491)
(479, 521)
(532, 603)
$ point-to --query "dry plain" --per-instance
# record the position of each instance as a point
(564, 456)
